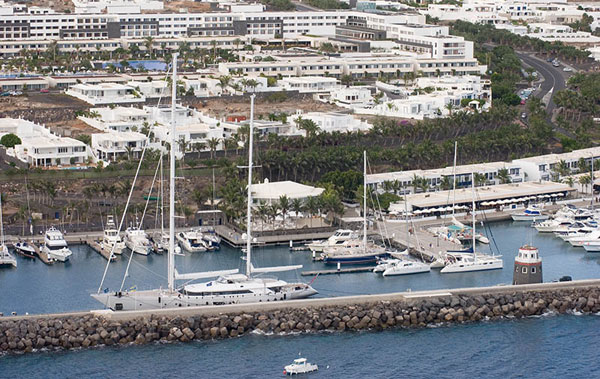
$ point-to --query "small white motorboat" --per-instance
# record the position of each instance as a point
(531, 213)
(383, 264)
(25, 249)
(299, 366)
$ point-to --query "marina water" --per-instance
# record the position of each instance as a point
(486, 349)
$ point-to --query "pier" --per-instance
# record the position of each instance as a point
(350, 270)
(65, 331)
(105, 253)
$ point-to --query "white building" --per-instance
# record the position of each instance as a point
(41, 148)
(271, 192)
(112, 145)
(544, 167)
(121, 119)
(352, 97)
(333, 121)
(203, 87)
(151, 89)
(105, 93)
(309, 84)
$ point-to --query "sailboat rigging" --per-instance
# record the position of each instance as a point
(230, 287)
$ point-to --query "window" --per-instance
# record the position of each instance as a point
(533, 270)
(524, 271)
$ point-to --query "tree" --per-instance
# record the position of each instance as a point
(224, 82)
(199, 197)
(10, 140)
(503, 176)
(312, 207)
(297, 206)
(284, 205)
(346, 80)
(213, 143)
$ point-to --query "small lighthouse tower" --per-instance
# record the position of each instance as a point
(528, 266)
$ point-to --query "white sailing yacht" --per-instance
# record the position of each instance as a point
(230, 287)
(356, 251)
(6, 258)
(401, 265)
(465, 262)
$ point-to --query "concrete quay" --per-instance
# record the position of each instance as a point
(65, 331)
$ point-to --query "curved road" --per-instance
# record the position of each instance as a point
(553, 77)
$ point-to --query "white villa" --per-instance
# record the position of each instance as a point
(203, 87)
(111, 145)
(332, 121)
(105, 93)
(308, 84)
(41, 148)
(120, 119)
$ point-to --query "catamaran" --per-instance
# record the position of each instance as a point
(231, 287)
(466, 262)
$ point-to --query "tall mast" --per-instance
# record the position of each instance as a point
(365, 200)
(249, 207)
(1, 223)
(171, 257)
(406, 220)
(162, 199)
(592, 181)
(473, 231)
(454, 178)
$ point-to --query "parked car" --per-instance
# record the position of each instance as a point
(523, 115)
(549, 59)
(44, 90)
(567, 69)
(555, 64)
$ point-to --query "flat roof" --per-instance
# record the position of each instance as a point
(573, 155)
(274, 190)
(487, 193)
(45, 141)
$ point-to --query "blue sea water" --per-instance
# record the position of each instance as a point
(36, 288)
(546, 347)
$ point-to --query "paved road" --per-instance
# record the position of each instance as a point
(553, 77)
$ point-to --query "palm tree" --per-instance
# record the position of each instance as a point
(212, 144)
(297, 207)
(503, 176)
(199, 197)
(284, 205)
(480, 179)
(449, 107)
(569, 181)
(312, 207)
(224, 82)
(585, 180)
(149, 42)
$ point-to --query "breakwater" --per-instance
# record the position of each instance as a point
(374, 312)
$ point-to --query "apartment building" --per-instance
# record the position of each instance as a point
(112, 145)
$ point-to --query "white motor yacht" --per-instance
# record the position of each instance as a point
(581, 240)
(25, 249)
(111, 237)
(531, 213)
(339, 237)
(211, 238)
(299, 366)
(553, 225)
(55, 245)
(137, 241)
(192, 241)
(592, 247)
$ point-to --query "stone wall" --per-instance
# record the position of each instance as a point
(31, 333)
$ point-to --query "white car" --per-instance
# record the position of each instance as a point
(567, 69)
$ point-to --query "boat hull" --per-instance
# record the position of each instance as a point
(520, 217)
(27, 251)
(417, 269)
(59, 255)
(350, 260)
(159, 299)
(470, 267)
